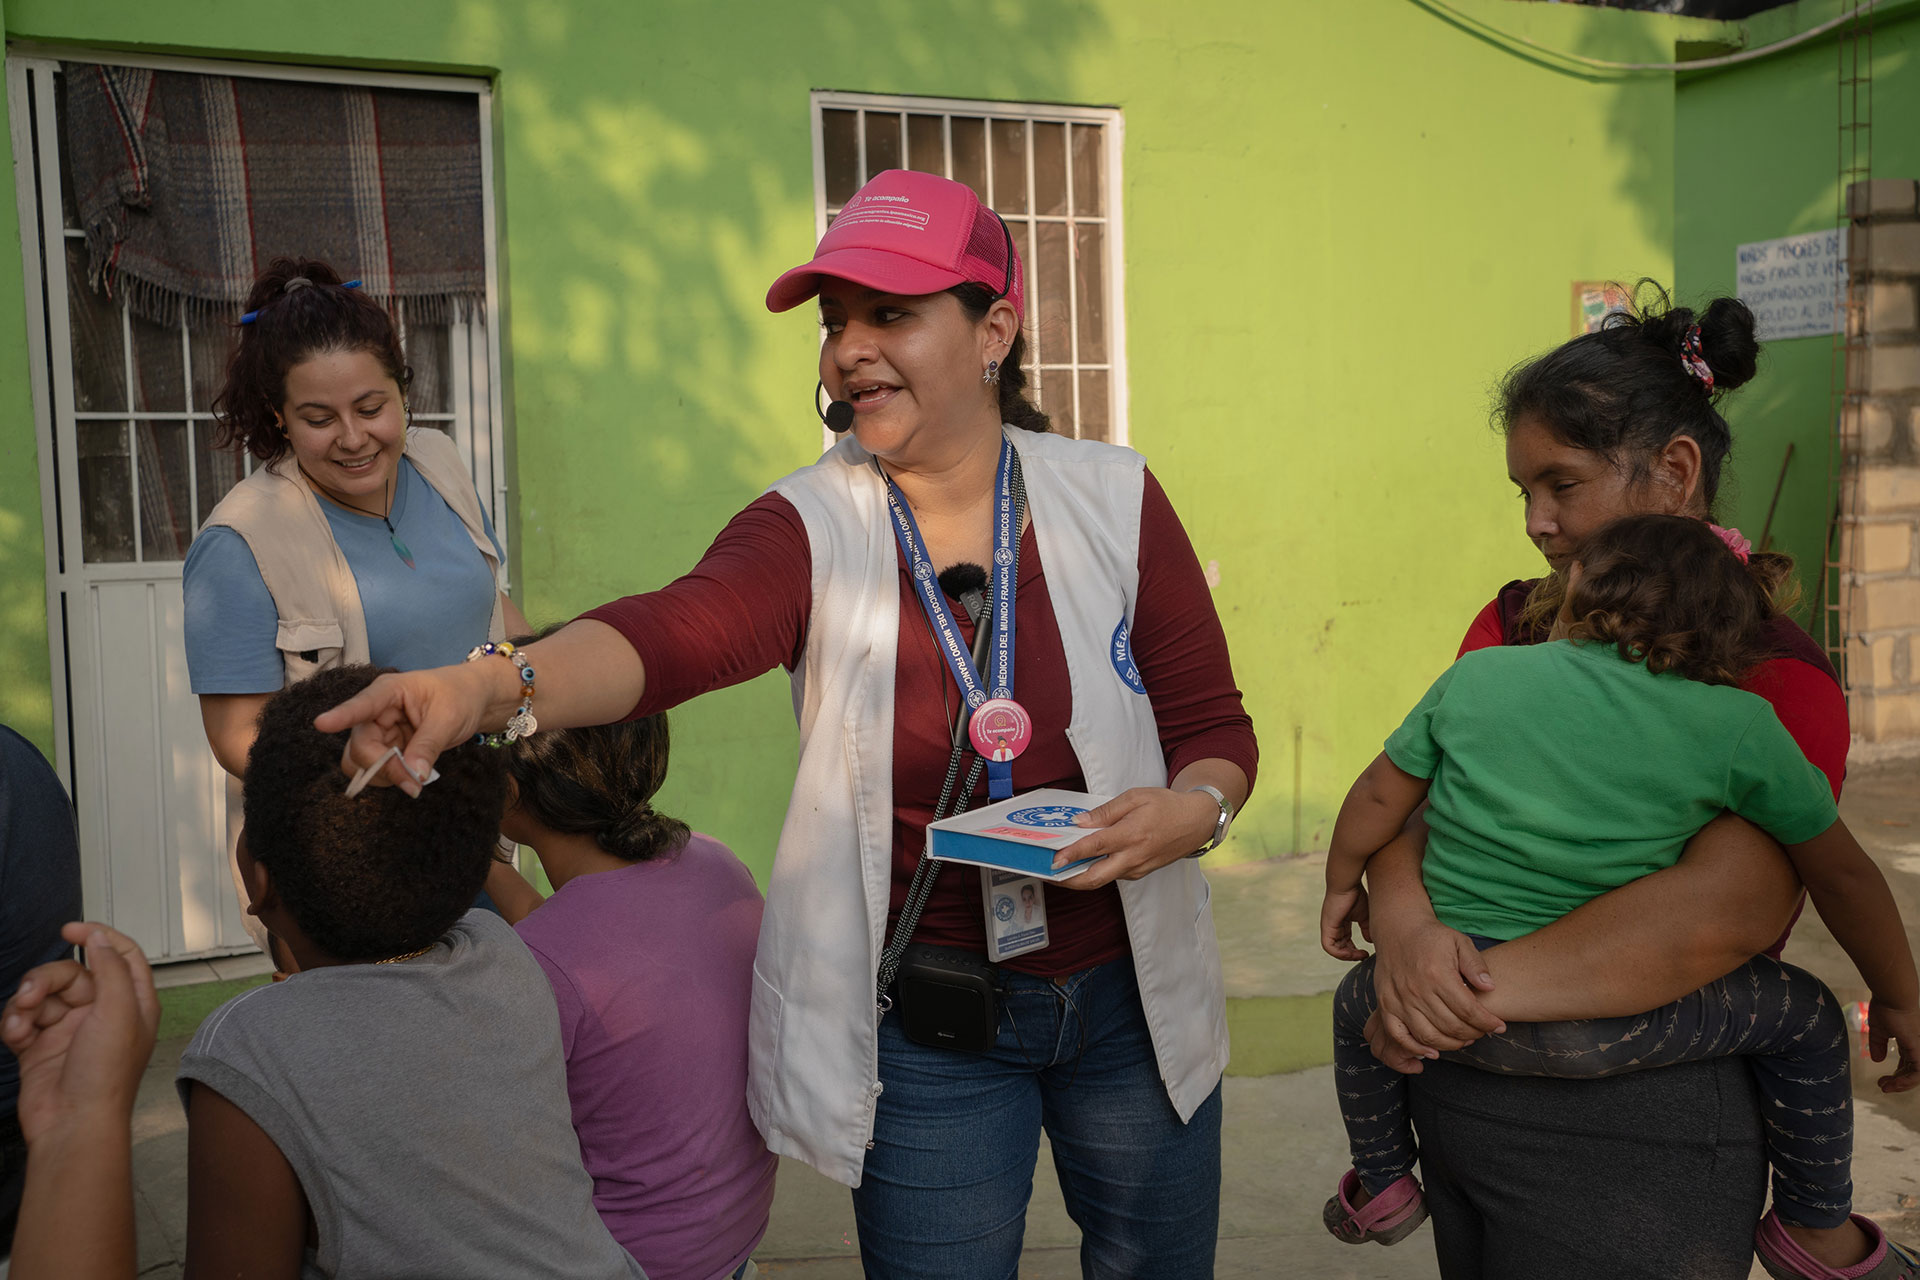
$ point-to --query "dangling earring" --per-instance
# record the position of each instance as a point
(992, 376)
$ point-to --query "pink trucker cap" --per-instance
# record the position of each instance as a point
(908, 233)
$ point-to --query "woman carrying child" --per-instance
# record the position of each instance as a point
(648, 942)
(863, 575)
(1553, 772)
(1612, 423)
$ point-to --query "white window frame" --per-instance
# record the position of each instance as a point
(1113, 126)
(475, 377)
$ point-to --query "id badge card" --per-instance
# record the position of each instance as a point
(1016, 913)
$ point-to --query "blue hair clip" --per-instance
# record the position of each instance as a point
(251, 316)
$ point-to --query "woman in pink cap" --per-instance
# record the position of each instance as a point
(947, 566)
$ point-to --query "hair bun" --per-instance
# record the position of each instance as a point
(1728, 342)
(641, 834)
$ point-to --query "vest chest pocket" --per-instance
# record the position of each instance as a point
(308, 646)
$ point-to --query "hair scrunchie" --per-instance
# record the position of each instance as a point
(1694, 359)
(1735, 540)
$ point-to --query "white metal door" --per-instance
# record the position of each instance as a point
(128, 472)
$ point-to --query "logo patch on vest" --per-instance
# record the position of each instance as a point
(1120, 652)
(1046, 815)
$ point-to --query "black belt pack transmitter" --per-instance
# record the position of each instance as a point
(948, 999)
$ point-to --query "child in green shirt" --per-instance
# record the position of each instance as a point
(1555, 772)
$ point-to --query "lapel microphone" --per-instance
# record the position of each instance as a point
(967, 583)
(839, 413)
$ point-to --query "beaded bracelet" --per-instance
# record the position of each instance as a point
(521, 723)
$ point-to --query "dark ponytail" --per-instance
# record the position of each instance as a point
(599, 782)
(299, 310)
(1015, 409)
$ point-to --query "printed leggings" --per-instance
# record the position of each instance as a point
(1783, 1019)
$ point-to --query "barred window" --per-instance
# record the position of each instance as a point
(141, 392)
(1052, 173)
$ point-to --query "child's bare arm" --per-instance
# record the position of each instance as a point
(246, 1213)
(1375, 810)
(1854, 901)
(1858, 908)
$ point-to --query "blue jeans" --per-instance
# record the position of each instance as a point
(955, 1137)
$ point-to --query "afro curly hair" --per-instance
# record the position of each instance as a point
(379, 874)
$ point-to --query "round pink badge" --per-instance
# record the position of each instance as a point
(1000, 729)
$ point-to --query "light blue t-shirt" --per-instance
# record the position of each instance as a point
(426, 616)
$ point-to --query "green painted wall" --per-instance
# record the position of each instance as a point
(1343, 221)
(26, 699)
(1756, 157)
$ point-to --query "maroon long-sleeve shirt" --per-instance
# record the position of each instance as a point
(743, 610)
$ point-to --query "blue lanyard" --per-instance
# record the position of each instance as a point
(945, 630)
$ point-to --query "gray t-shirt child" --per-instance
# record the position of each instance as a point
(423, 1106)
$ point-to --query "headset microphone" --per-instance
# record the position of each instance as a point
(838, 415)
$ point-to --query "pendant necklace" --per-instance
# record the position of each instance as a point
(393, 536)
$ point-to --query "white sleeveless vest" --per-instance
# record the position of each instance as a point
(312, 586)
(813, 1074)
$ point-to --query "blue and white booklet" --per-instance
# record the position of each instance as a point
(1022, 834)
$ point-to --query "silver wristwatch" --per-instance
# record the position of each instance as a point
(1220, 824)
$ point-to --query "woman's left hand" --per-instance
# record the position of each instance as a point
(1142, 830)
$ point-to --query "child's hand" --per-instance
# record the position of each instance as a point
(1903, 1027)
(1338, 914)
(1391, 1051)
(83, 1035)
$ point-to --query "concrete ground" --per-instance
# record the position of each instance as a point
(1283, 1144)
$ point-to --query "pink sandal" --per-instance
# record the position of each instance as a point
(1786, 1260)
(1388, 1218)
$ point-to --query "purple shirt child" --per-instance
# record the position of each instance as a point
(652, 968)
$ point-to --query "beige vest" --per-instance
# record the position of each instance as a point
(322, 623)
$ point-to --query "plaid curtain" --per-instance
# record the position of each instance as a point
(187, 185)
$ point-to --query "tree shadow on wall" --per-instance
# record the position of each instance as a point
(656, 175)
(1637, 103)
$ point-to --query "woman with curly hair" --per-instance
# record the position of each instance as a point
(357, 538)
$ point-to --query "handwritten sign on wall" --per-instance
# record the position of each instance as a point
(1792, 284)
(1595, 300)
